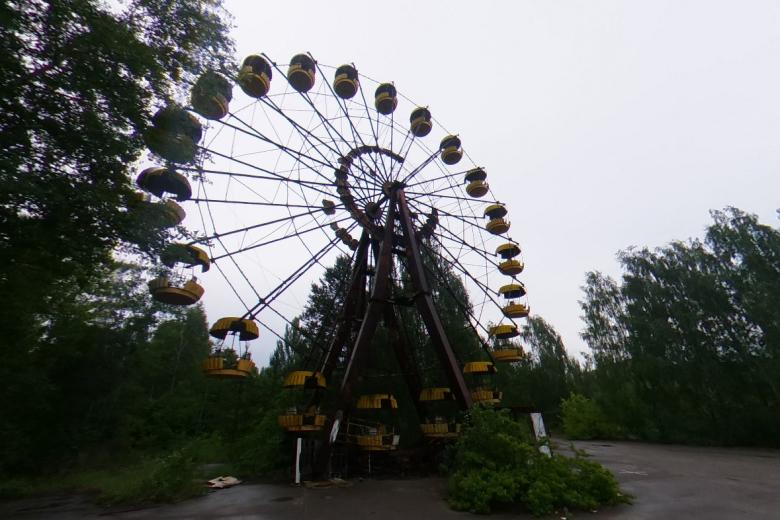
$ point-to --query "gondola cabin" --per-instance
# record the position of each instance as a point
(346, 82)
(301, 72)
(441, 411)
(480, 375)
(298, 421)
(420, 122)
(376, 402)
(516, 310)
(244, 328)
(512, 291)
(305, 379)
(211, 95)
(496, 210)
(164, 291)
(507, 353)
(440, 428)
(511, 267)
(174, 134)
(508, 250)
(385, 99)
(309, 419)
(186, 254)
(504, 331)
(173, 213)
(225, 362)
(450, 150)
(497, 226)
(475, 183)
(255, 75)
(158, 180)
(373, 437)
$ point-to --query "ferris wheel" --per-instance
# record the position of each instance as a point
(304, 162)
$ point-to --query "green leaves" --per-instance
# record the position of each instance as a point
(687, 346)
(497, 464)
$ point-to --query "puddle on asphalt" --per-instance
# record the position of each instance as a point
(281, 499)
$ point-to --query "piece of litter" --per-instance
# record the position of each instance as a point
(222, 482)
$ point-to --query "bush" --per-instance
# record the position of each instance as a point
(262, 451)
(497, 464)
(583, 419)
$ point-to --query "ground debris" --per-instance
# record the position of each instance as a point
(222, 482)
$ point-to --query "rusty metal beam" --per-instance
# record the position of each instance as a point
(351, 302)
(357, 357)
(427, 310)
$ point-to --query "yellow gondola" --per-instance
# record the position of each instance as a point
(440, 429)
(376, 402)
(508, 250)
(450, 149)
(224, 362)
(211, 95)
(479, 368)
(504, 331)
(162, 214)
(512, 290)
(376, 438)
(385, 99)
(496, 210)
(420, 122)
(173, 213)
(221, 366)
(174, 134)
(477, 189)
(507, 353)
(346, 82)
(516, 310)
(436, 394)
(186, 254)
(301, 72)
(305, 379)
(162, 291)
(255, 75)
(475, 183)
(246, 329)
(497, 226)
(302, 422)
(511, 267)
(158, 180)
(486, 396)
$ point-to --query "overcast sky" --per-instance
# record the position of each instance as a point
(602, 124)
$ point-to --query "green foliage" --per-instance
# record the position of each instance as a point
(496, 464)
(686, 346)
(545, 376)
(583, 419)
(80, 79)
(263, 451)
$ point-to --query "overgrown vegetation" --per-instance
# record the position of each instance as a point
(496, 465)
(583, 419)
(686, 346)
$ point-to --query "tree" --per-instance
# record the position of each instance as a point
(685, 348)
(79, 81)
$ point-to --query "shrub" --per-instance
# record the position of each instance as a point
(583, 419)
(497, 464)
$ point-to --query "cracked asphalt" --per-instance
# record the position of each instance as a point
(666, 481)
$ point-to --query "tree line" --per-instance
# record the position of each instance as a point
(685, 347)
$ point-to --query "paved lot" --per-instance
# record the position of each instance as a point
(668, 482)
(691, 483)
